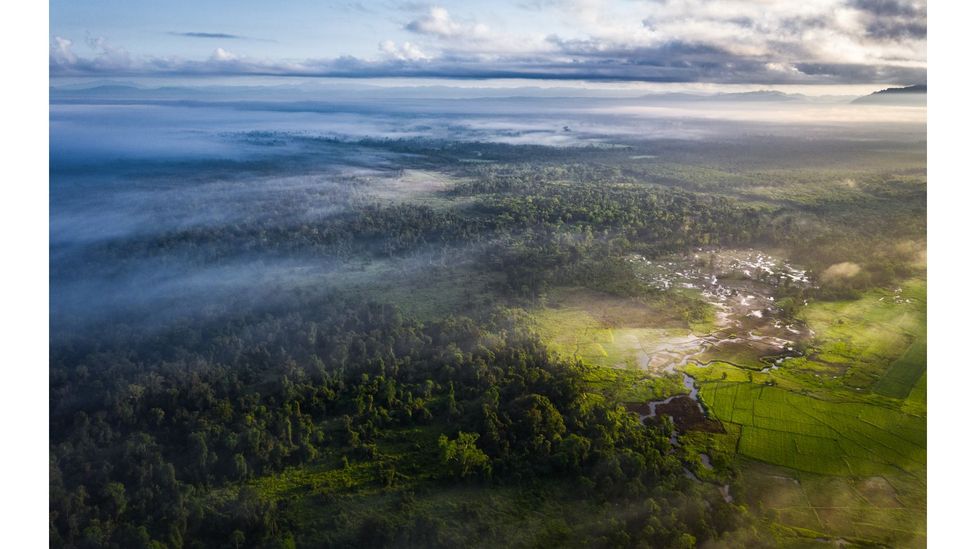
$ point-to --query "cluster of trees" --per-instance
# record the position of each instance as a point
(528, 191)
(158, 438)
(365, 230)
(517, 199)
(145, 433)
(880, 228)
(544, 225)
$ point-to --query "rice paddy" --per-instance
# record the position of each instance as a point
(825, 415)
(808, 434)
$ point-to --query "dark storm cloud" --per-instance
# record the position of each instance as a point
(896, 29)
(675, 50)
(886, 8)
(893, 19)
(846, 72)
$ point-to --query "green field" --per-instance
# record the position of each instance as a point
(620, 385)
(876, 342)
(903, 373)
(605, 330)
(865, 511)
(808, 434)
(833, 444)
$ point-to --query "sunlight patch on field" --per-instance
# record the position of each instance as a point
(610, 331)
(876, 341)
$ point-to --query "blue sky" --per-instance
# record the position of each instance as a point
(295, 29)
(669, 41)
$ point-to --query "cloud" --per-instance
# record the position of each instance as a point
(893, 19)
(407, 60)
(438, 22)
(889, 8)
(218, 36)
(107, 59)
(717, 41)
(404, 52)
(220, 54)
(400, 65)
(61, 54)
(841, 271)
(209, 35)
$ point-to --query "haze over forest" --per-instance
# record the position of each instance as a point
(620, 274)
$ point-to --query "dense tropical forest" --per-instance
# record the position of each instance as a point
(438, 342)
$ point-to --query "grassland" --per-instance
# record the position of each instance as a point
(876, 341)
(609, 331)
(833, 444)
(620, 385)
(865, 511)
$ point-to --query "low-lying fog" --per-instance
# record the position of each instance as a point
(129, 164)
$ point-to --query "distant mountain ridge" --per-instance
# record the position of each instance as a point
(116, 90)
(907, 96)
(758, 95)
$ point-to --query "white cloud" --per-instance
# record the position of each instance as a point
(782, 67)
(442, 33)
(220, 54)
(107, 57)
(438, 22)
(404, 52)
(61, 51)
(720, 41)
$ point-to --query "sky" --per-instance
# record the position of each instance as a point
(761, 42)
